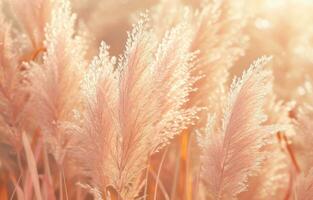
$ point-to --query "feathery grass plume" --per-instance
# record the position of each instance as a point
(219, 39)
(217, 33)
(13, 100)
(274, 178)
(32, 16)
(13, 94)
(231, 151)
(133, 111)
(98, 138)
(276, 173)
(56, 82)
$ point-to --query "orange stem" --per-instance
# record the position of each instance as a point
(185, 179)
(282, 138)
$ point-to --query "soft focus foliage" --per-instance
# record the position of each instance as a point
(232, 152)
(161, 119)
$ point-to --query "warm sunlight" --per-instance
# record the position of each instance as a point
(156, 99)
